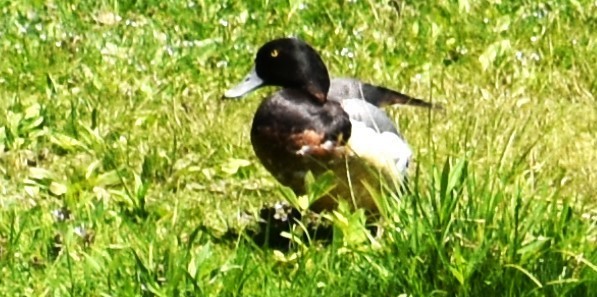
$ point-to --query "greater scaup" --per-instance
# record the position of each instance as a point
(314, 124)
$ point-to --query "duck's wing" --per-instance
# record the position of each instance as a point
(345, 88)
(369, 115)
(374, 137)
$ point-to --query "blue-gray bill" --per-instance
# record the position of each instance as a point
(251, 82)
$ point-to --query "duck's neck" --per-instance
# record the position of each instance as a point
(318, 90)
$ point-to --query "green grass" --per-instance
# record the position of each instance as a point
(121, 166)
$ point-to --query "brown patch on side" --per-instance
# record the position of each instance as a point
(307, 137)
(313, 144)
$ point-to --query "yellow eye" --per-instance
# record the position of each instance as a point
(274, 53)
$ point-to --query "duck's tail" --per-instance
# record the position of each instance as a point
(380, 96)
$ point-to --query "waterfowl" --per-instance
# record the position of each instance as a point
(317, 124)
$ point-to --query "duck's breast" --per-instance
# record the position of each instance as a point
(292, 134)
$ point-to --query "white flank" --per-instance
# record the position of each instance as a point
(385, 150)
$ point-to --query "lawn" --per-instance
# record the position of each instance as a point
(123, 172)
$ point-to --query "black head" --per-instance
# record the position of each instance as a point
(288, 63)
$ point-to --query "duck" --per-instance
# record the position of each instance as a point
(319, 124)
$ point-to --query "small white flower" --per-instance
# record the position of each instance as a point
(80, 231)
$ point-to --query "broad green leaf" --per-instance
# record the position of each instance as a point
(38, 173)
(234, 165)
(57, 188)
